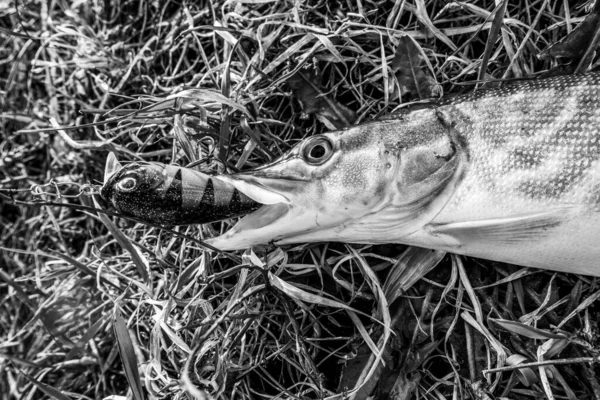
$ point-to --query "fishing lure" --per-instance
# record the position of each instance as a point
(171, 195)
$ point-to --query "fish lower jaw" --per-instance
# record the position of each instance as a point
(258, 227)
(279, 224)
(284, 224)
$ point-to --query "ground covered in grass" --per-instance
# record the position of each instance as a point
(93, 306)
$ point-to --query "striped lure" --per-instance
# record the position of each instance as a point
(171, 195)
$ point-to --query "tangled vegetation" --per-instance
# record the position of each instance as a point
(96, 306)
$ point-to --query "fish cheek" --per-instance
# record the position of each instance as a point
(356, 182)
(420, 163)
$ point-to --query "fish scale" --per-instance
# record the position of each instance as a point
(549, 157)
(533, 148)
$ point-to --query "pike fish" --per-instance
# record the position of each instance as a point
(510, 174)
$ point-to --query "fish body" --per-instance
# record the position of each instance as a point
(509, 174)
(530, 193)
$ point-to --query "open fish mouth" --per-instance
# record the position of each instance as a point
(171, 195)
(272, 223)
(280, 218)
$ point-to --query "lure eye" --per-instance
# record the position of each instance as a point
(317, 151)
(127, 184)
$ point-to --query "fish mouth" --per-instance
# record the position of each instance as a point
(284, 214)
(281, 217)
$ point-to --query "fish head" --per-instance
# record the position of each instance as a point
(354, 185)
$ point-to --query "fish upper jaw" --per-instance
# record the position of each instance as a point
(258, 188)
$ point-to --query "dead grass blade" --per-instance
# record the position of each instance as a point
(189, 148)
(186, 376)
(208, 99)
(478, 323)
(525, 375)
(542, 369)
(526, 330)
(82, 267)
(412, 265)
(515, 276)
(89, 335)
(525, 40)
(492, 36)
(21, 361)
(128, 356)
(302, 295)
(582, 306)
(370, 371)
(421, 13)
(413, 71)
(139, 260)
(47, 389)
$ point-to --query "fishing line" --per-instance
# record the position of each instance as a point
(90, 190)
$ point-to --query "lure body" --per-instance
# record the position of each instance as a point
(171, 195)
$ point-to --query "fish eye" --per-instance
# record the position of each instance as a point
(317, 151)
(127, 184)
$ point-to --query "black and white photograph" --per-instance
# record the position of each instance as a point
(299, 199)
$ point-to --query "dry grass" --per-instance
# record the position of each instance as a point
(85, 308)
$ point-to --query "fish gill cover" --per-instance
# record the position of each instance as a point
(97, 306)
